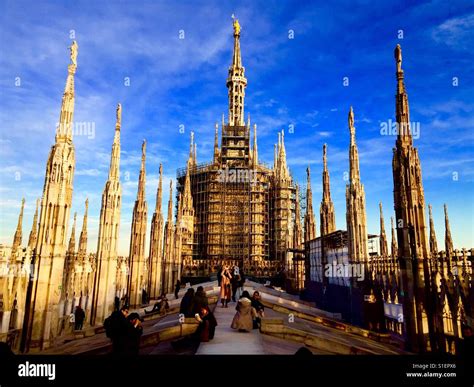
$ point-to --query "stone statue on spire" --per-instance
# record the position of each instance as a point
(73, 49)
(398, 57)
(119, 114)
(351, 118)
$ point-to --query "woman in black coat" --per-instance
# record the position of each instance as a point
(187, 304)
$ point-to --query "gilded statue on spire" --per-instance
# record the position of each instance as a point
(73, 49)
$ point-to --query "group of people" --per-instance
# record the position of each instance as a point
(124, 330)
(196, 305)
(250, 310)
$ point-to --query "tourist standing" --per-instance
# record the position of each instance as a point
(177, 287)
(225, 287)
(235, 282)
(79, 316)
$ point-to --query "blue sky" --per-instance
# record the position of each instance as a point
(296, 82)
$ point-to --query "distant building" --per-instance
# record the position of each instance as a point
(335, 282)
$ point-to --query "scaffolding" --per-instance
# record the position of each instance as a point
(241, 216)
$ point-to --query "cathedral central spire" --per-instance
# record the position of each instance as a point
(236, 82)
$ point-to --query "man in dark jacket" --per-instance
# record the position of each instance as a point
(117, 327)
(186, 306)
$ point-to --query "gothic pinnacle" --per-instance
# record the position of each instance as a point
(72, 240)
(383, 237)
(170, 204)
(114, 170)
(353, 152)
(191, 148)
(327, 214)
(448, 240)
(64, 130)
(142, 176)
(433, 241)
(159, 191)
(86, 210)
(255, 148)
(82, 250)
(34, 229)
(402, 108)
(394, 247)
(19, 229)
(355, 202)
(309, 220)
